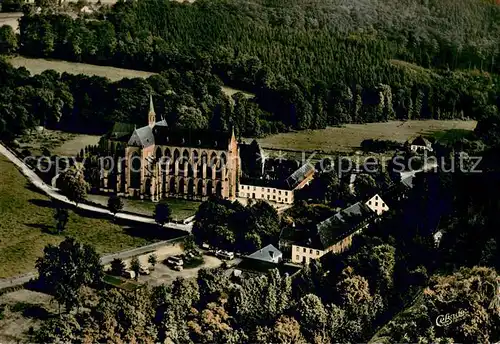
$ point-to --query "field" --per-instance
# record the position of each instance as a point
(181, 209)
(27, 223)
(349, 137)
(57, 142)
(37, 66)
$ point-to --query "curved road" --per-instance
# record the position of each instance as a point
(52, 192)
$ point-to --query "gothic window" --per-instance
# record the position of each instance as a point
(135, 171)
(204, 158)
(209, 188)
(218, 189)
(171, 188)
(199, 188)
(195, 156)
(199, 170)
(190, 187)
(213, 159)
(185, 155)
(223, 159)
(159, 153)
(177, 154)
(181, 185)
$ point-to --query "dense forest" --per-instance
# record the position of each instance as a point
(309, 64)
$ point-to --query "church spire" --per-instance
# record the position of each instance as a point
(151, 114)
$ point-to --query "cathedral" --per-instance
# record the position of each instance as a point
(161, 162)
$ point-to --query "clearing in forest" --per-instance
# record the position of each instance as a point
(38, 65)
(350, 136)
(56, 142)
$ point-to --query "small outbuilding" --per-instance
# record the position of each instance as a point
(268, 254)
(420, 144)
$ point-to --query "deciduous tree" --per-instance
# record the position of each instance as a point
(65, 268)
(162, 213)
(118, 267)
(73, 185)
(115, 204)
(61, 216)
(135, 266)
(8, 40)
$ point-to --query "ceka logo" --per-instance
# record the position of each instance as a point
(448, 319)
(444, 320)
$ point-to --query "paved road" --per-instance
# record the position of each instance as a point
(22, 279)
(53, 193)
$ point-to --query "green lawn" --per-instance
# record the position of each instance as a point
(349, 137)
(121, 283)
(453, 135)
(57, 142)
(193, 262)
(27, 222)
(181, 208)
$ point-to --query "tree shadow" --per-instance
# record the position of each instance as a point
(42, 203)
(44, 228)
(37, 312)
(153, 232)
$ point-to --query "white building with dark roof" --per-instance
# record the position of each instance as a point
(334, 234)
(278, 191)
(268, 254)
(420, 144)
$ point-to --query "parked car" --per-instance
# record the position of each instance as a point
(129, 274)
(144, 271)
(175, 260)
(177, 267)
(205, 246)
(224, 254)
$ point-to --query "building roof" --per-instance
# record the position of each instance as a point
(293, 234)
(161, 134)
(142, 137)
(408, 181)
(201, 138)
(342, 224)
(161, 123)
(121, 131)
(299, 175)
(357, 209)
(421, 141)
(268, 254)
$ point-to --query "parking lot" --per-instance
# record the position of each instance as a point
(163, 274)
